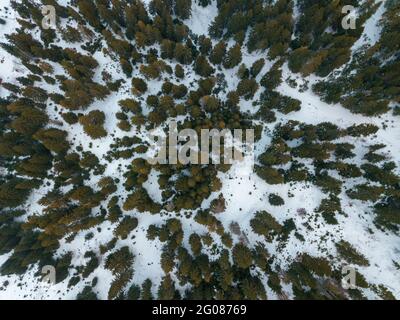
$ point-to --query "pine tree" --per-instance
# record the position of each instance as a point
(133, 292)
(87, 294)
(11, 193)
(130, 105)
(89, 11)
(265, 224)
(167, 49)
(226, 240)
(70, 117)
(146, 290)
(166, 290)
(362, 130)
(179, 71)
(247, 88)
(126, 67)
(269, 175)
(183, 54)
(195, 243)
(242, 256)
(29, 121)
(118, 285)
(71, 34)
(350, 254)
(218, 52)
(257, 67)
(140, 200)
(139, 85)
(120, 261)
(53, 139)
(167, 261)
(183, 8)
(125, 227)
(205, 45)
(272, 78)
(35, 166)
(179, 91)
(93, 124)
(202, 67)
(388, 212)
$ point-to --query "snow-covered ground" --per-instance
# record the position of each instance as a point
(244, 191)
(9, 67)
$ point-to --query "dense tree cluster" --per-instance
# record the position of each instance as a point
(369, 84)
(160, 71)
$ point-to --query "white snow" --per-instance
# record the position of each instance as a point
(245, 193)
